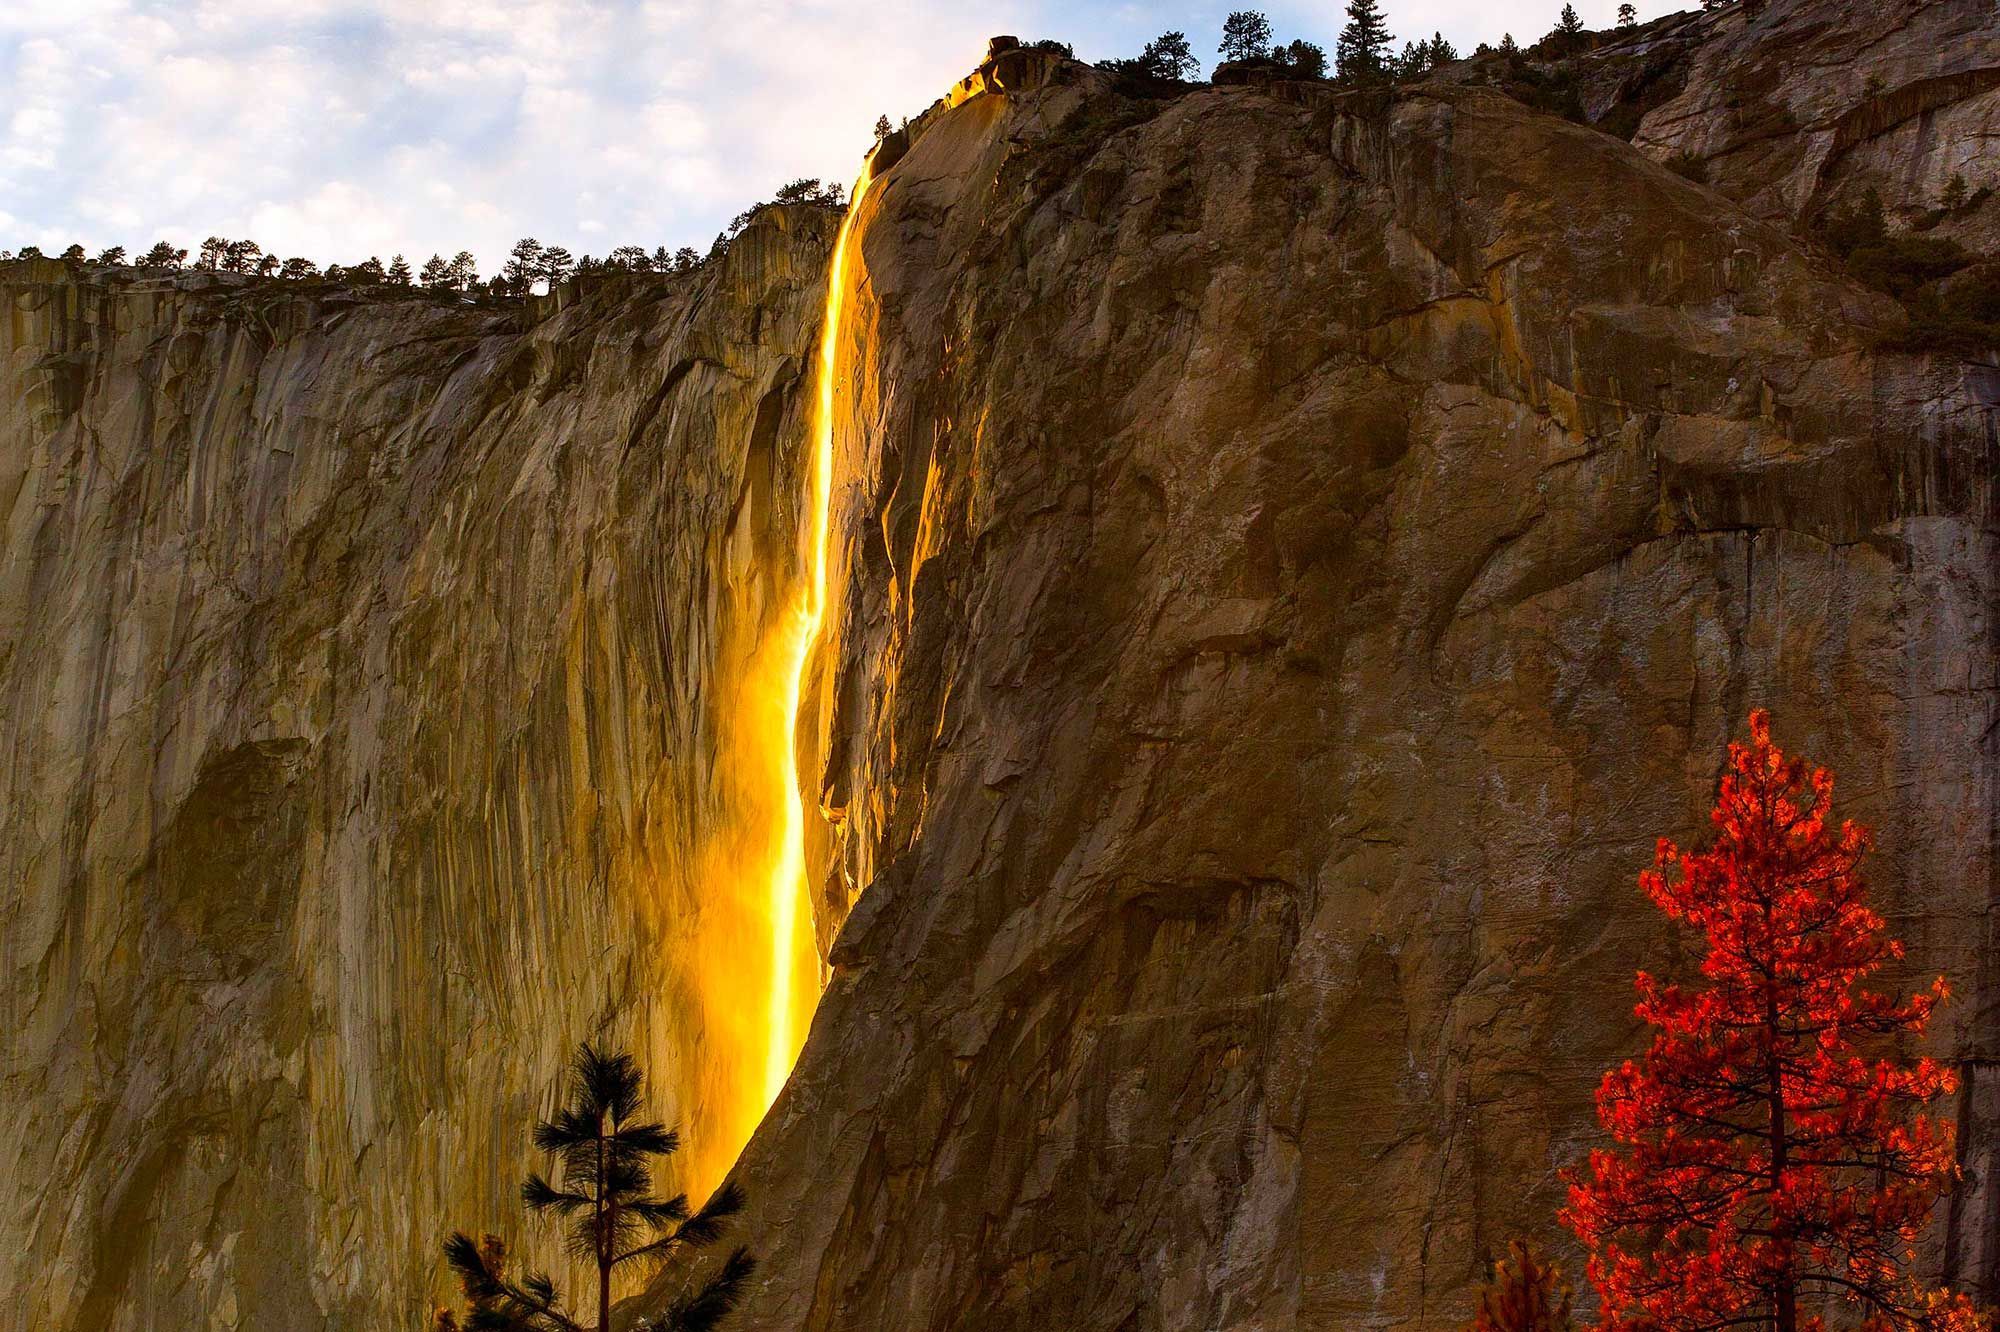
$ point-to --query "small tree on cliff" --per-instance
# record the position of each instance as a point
(1763, 1165)
(1569, 34)
(1301, 59)
(606, 1153)
(554, 265)
(1246, 35)
(523, 266)
(1362, 53)
(1167, 59)
(1527, 1293)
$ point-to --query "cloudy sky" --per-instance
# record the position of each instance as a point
(337, 129)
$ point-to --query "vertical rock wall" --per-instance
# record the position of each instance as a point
(1802, 106)
(363, 673)
(1300, 551)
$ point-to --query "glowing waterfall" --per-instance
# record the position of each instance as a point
(787, 885)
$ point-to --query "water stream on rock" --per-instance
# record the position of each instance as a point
(794, 962)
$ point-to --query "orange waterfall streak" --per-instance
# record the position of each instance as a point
(787, 884)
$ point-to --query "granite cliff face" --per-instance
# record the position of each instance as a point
(1300, 550)
(1292, 553)
(365, 670)
(1806, 104)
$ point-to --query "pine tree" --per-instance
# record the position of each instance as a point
(1628, 17)
(1246, 35)
(1362, 53)
(882, 128)
(211, 253)
(1526, 1294)
(162, 255)
(1169, 57)
(607, 1179)
(297, 270)
(1440, 51)
(398, 271)
(1303, 59)
(524, 264)
(463, 272)
(116, 254)
(435, 274)
(1569, 26)
(555, 265)
(605, 1152)
(1763, 1162)
(1954, 192)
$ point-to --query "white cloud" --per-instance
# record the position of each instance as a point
(342, 128)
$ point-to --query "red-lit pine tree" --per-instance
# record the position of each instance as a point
(1764, 1166)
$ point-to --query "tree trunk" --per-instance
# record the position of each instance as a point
(603, 1243)
(1787, 1293)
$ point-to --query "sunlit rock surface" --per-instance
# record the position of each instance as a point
(1300, 550)
(363, 676)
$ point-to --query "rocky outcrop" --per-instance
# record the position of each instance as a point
(1807, 103)
(363, 668)
(1300, 550)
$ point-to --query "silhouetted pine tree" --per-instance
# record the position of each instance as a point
(1246, 35)
(556, 265)
(1362, 53)
(606, 1153)
(1302, 59)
